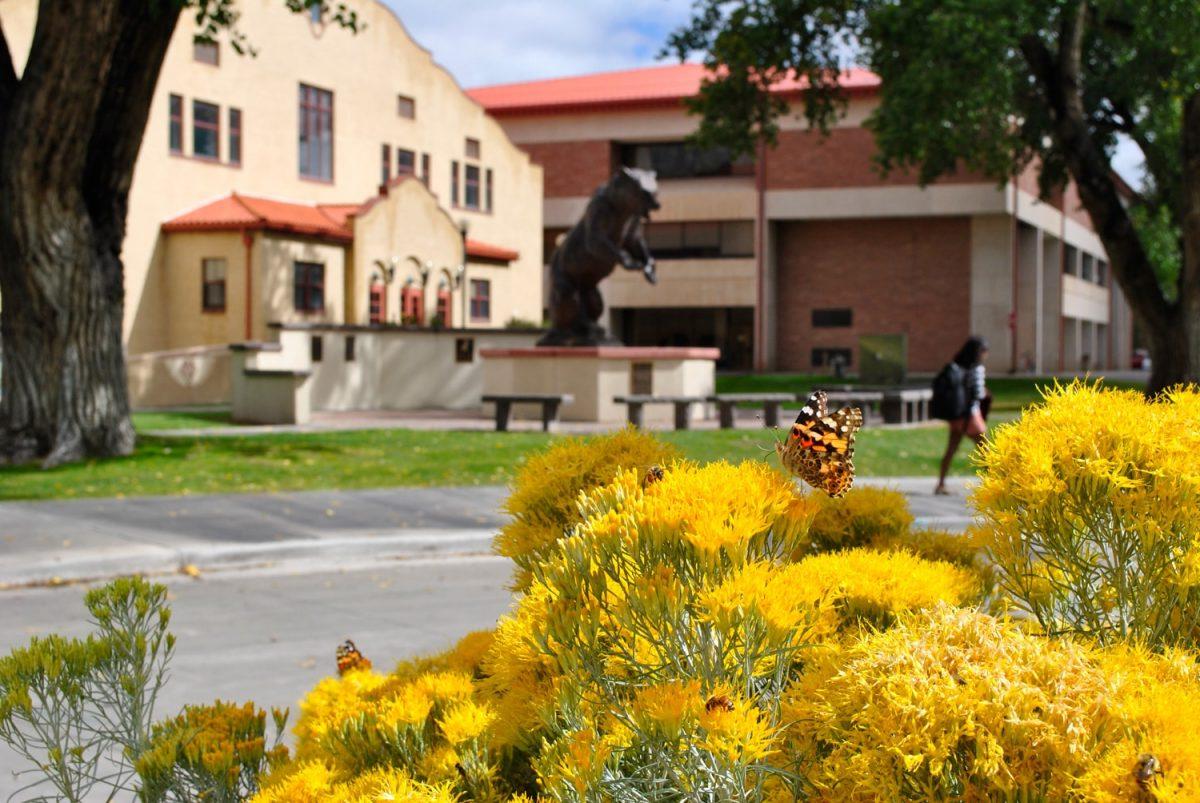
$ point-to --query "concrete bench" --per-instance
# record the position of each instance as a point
(771, 402)
(869, 401)
(906, 405)
(550, 403)
(683, 407)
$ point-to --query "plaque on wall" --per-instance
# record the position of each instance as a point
(641, 379)
(464, 349)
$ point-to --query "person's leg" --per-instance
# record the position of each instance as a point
(956, 436)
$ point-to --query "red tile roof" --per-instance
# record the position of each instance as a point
(237, 212)
(661, 85)
(481, 250)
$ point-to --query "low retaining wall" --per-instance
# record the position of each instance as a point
(179, 378)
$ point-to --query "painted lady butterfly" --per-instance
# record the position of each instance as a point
(820, 447)
(349, 658)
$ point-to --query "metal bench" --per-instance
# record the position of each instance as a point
(683, 407)
(771, 402)
(550, 403)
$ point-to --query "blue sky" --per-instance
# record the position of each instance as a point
(496, 41)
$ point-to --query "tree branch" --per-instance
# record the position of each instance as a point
(1058, 79)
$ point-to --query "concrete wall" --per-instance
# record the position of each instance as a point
(992, 288)
(177, 378)
(365, 71)
(392, 370)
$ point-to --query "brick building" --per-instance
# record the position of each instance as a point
(785, 260)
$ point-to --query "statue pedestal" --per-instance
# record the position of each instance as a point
(595, 374)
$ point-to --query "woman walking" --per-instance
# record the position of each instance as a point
(966, 368)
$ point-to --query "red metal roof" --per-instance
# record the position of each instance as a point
(238, 212)
(661, 85)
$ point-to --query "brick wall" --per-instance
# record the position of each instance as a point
(909, 275)
(572, 168)
(803, 160)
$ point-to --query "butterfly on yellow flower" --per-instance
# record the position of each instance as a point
(349, 658)
(820, 446)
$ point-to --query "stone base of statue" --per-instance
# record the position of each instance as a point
(595, 375)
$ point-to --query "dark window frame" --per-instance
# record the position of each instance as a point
(316, 110)
(481, 303)
(472, 148)
(207, 47)
(487, 190)
(454, 182)
(425, 169)
(406, 107)
(685, 251)
(235, 136)
(680, 159)
(207, 284)
(385, 164)
(308, 293)
(175, 124)
(833, 318)
(472, 186)
(406, 162)
(214, 128)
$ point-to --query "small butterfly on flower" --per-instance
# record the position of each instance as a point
(350, 659)
(820, 446)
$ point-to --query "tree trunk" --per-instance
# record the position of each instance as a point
(70, 130)
(1187, 333)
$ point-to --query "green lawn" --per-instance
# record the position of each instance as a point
(382, 458)
(208, 418)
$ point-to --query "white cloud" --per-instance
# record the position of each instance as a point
(496, 41)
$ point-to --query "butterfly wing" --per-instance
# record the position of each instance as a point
(820, 446)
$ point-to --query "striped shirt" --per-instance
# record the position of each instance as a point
(976, 389)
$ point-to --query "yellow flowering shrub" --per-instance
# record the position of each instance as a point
(954, 704)
(1092, 505)
(210, 752)
(545, 493)
(865, 516)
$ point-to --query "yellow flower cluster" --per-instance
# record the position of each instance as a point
(545, 493)
(1092, 505)
(315, 782)
(953, 704)
(865, 516)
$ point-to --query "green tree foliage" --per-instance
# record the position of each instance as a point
(995, 86)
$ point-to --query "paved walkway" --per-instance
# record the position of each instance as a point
(43, 542)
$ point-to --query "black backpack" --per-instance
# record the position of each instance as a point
(949, 393)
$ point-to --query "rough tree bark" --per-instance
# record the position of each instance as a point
(1172, 326)
(70, 130)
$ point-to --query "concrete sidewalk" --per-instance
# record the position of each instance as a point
(50, 542)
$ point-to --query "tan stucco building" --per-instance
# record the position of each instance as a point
(787, 260)
(333, 178)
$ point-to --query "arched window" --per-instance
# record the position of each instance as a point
(443, 304)
(412, 310)
(377, 303)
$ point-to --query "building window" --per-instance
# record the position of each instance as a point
(212, 292)
(1101, 272)
(206, 53)
(701, 240)
(349, 348)
(832, 318)
(235, 136)
(454, 183)
(481, 300)
(175, 129)
(316, 133)
(487, 190)
(412, 311)
(385, 164)
(308, 286)
(472, 148)
(406, 162)
(442, 316)
(377, 304)
(681, 160)
(316, 348)
(206, 130)
(406, 107)
(425, 169)
(471, 186)
(823, 358)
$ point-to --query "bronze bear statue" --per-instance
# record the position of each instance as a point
(610, 233)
